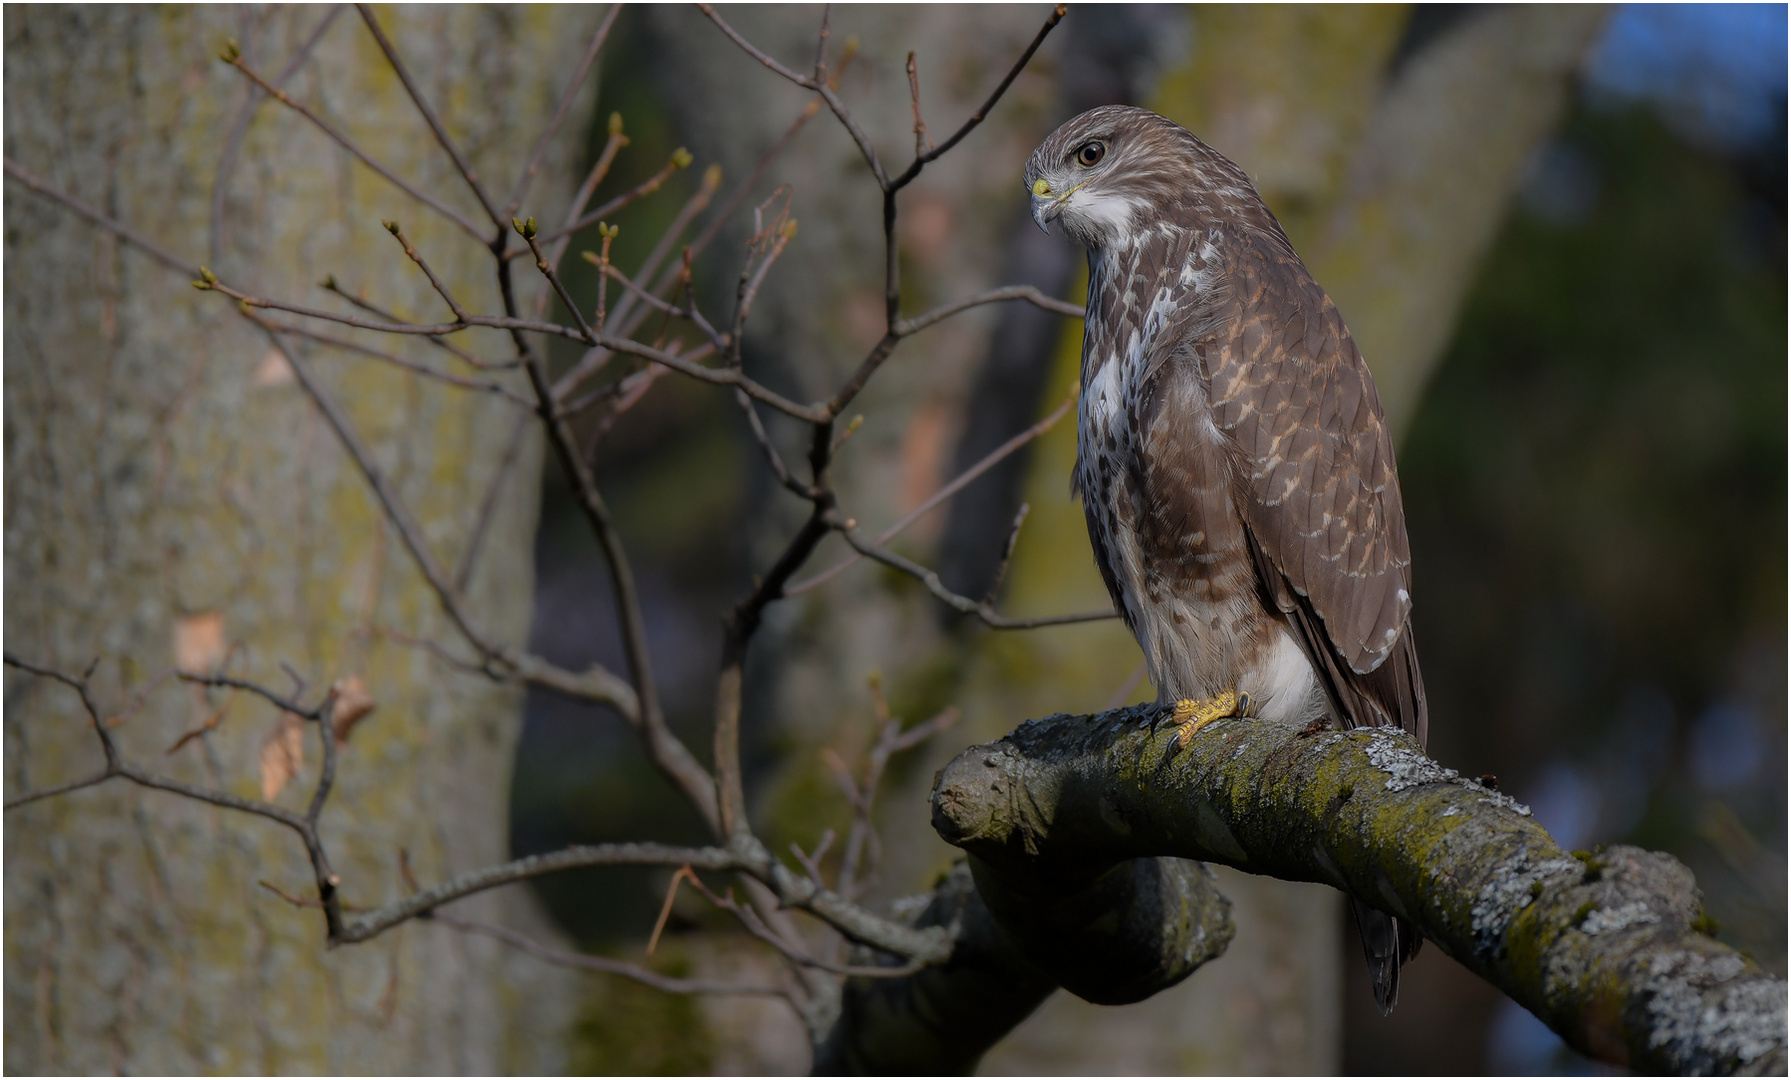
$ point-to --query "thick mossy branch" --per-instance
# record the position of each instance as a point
(1141, 926)
(1603, 947)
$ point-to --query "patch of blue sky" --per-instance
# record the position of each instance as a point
(1718, 71)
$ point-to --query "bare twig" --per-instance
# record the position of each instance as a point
(989, 616)
(559, 116)
(395, 511)
(85, 209)
(485, 386)
(921, 160)
(1027, 293)
(1007, 553)
(239, 127)
(278, 701)
(434, 282)
(921, 142)
(679, 160)
(463, 575)
(435, 125)
(993, 458)
(812, 862)
(118, 767)
(821, 44)
(753, 51)
(648, 977)
(235, 60)
(368, 306)
(754, 925)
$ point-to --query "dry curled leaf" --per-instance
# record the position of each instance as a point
(282, 754)
(353, 703)
(199, 641)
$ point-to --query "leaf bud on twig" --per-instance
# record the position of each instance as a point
(391, 225)
(681, 158)
(615, 123)
(232, 52)
(524, 228)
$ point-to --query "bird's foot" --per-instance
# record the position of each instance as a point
(1191, 715)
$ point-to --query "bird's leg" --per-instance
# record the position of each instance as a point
(1193, 715)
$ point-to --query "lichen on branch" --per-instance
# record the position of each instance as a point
(1608, 948)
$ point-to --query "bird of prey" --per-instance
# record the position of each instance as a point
(1232, 457)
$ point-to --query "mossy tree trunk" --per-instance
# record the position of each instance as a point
(170, 493)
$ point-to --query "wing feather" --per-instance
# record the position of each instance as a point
(1321, 501)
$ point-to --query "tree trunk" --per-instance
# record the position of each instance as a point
(172, 496)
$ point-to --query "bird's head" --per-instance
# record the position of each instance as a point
(1109, 171)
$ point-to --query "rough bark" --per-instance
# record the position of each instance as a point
(1607, 947)
(163, 474)
(1114, 937)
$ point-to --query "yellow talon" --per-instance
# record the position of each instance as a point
(1193, 715)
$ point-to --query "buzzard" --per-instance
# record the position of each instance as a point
(1232, 457)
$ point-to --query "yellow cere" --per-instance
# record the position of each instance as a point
(1041, 187)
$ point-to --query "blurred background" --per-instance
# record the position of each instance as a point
(1582, 348)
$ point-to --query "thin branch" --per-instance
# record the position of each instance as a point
(752, 924)
(463, 575)
(989, 461)
(662, 249)
(562, 958)
(235, 60)
(485, 386)
(429, 117)
(1007, 552)
(822, 88)
(921, 160)
(408, 529)
(329, 283)
(772, 457)
(664, 749)
(239, 128)
(278, 701)
(387, 916)
(989, 616)
(921, 142)
(588, 335)
(1028, 293)
(812, 863)
(60, 789)
(718, 376)
(717, 340)
(821, 44)
(565, 107)
(752, 50)
(646, 187)
(435, 283)
(122, 231)
(116, 766)
(599, 170)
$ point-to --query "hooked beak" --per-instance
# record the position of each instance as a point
(1048, 204)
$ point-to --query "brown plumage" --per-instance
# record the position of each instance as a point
(1233, 460)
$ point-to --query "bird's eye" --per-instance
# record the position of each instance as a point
(1090, 154)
